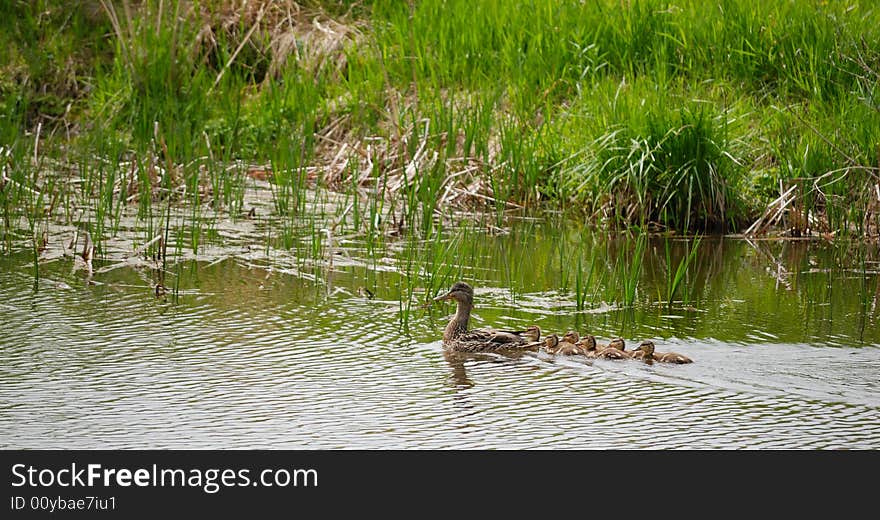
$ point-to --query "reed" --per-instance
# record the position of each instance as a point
(630, 270)
(674, 279)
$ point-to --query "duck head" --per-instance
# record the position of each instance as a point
(551, 341)
(532, 333)
(617, 343)
(588, 342)
(460, 292)
(646, 346)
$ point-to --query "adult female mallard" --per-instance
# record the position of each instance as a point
(458, 338)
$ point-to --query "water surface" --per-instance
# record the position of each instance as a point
(258, 347)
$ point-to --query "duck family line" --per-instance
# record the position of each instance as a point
(457, 337)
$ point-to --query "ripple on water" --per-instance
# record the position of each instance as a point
(123, 370)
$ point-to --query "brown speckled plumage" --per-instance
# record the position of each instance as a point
(457, 337)
(646, 351)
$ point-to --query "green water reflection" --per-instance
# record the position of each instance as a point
(277, 347)
(558, 275)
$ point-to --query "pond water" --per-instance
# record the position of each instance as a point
(275, 346)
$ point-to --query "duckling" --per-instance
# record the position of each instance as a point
(616, 349)
(551, 344)
(568, 345)
(646, 351)
(672, 357)
(587, 345)
(616, 343)
(532, 333)
(613, 353)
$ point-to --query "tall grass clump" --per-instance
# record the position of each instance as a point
(50, 52)
(156, 79)
(633, 159)
(684, 160)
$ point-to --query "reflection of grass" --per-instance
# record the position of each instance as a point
(674, 279)
(728, 289)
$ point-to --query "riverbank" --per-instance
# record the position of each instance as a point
(749, 117)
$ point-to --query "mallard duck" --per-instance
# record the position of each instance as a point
(551, 344)
(568, 346)
(457, 337)
(616, 349)
(646, 351)
(616, 343)
(588, 345)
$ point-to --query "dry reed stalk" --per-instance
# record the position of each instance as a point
(117, 28)
(238, 49)
(776, 207)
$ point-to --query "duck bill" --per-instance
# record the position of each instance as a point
(447, 296)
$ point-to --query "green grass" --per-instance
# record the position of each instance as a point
(679, 114)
